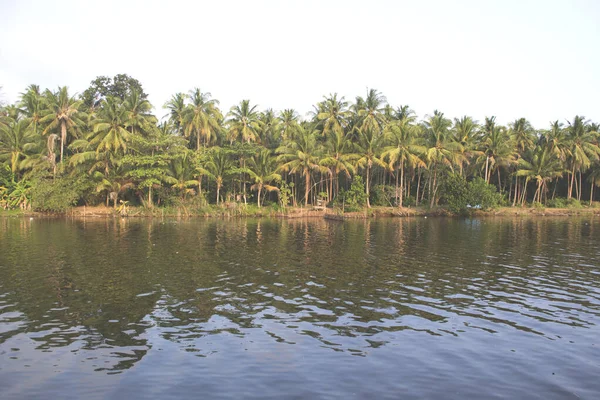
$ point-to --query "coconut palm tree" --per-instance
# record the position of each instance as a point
(270, 129)
(442, 150)
(300, 155)
(542, 166)
(202, 117)
(176, 106)
(218, 166)
(370, 111)
(404, 150)
(110, 129)
(290, 123)
(333, 114)
(139, 119)
(244, 122)
(32, 107)
(582, 150)
(338, 157)
(497, 148)
(181, 173)
(262, 168)
(62, 113)
(368, 150)
(17, 141)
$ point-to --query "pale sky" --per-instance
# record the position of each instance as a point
(521, 58)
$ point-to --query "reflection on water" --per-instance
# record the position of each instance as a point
(442, 308)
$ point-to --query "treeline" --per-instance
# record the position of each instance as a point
(105, 146)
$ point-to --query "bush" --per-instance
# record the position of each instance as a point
(557, 202)
(355, 198)
(382, 195)
(59, 194)
(461, 196)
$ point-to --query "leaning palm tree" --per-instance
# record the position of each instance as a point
(244, 122)
(62, 114)
(594, 179)
(202, 117)
(262, 168)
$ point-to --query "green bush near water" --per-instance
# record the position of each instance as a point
(461, 196)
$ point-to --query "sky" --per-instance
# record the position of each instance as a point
(510, 59)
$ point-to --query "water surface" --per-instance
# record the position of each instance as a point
(398, 308)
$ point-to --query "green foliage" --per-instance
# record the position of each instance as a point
(461, 196)
(382, 195)
(285, 193)
(560, 202)
(355, 198)
(59, 194)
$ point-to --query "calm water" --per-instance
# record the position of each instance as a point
(404, 308)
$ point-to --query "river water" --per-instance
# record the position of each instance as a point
(307, 309)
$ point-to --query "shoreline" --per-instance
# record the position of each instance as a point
(301, 213)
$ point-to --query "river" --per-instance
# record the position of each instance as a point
(435, 308)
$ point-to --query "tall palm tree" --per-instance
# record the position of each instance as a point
(262, 168)
(62, 113)
(404, 150)
(338, 156)
(368, 150)
(497, 148)
(244, 122)
(442, 149)
(202, 117)
(301, 156)
(582, 150)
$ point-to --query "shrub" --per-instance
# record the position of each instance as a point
(461, 196)
(382, 195)
(355, 198)
(59, 194)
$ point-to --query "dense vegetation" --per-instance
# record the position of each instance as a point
(58, 150)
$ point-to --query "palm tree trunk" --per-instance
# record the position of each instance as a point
(570, 192)
(401, 184)
(63, 138)
(218, 190)
(499, 182)
(368, 173)
(591, 192)
(149, 196)
(259, 190)
(307, 188)
(487, 161)
(580, 187)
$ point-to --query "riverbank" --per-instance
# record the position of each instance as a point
(297, 212)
